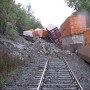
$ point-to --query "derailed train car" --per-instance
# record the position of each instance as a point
(30, 34)
(84, 50)
(76, 36)
(72, 32)
(54, 34)
(72, 42)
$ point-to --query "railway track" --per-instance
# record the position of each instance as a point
(55, 75)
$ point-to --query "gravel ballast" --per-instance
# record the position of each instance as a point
(33, 54)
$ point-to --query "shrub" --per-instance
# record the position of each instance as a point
(11, 30)
(7, 64)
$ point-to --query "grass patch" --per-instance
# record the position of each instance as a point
(7, 64)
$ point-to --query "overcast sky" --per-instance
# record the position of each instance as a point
(49, 11)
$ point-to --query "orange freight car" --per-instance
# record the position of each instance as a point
(73, 25)
(42, 33)
(87, 37)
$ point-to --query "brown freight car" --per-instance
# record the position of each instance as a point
(54, 34)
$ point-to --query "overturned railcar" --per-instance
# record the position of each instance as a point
(54, 34)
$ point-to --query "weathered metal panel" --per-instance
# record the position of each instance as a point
(67, 41)
(54, 33)
(74, 39)
(78, 38)
(73, 25)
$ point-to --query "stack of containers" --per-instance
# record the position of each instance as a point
(72, 30)
(73, 25)
(54, 34)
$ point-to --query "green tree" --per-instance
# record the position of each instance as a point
(5, 8)
(25, 19)
(15, 16)
(21, 18)
(79, 4)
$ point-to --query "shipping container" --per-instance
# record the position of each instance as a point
(45, 33)
(87, 37)
(53, 32)
(42, 33)
(72, 42)
(28, 33)
(73, 39)
(73, 25)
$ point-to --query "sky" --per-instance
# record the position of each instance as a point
(49, 11)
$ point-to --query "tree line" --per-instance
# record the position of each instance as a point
(80, 7)
(15, 19)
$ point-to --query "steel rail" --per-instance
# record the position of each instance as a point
(74, 76)
(41, 79)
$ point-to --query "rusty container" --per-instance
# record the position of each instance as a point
(73, 25)
(87, 37)
(42, 33)
(45, 33)
(54, 34)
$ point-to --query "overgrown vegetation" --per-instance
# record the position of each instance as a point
(11, 30)
(20, 18)
(7, 64)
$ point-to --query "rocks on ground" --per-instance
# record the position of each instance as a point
(35, 52)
